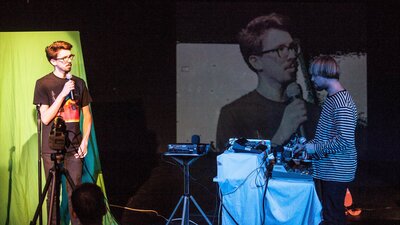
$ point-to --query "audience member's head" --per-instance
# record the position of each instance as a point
(88, 204)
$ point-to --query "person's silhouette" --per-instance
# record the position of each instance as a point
(88, 204)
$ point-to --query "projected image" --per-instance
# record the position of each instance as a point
(245, 89)
(206, 83)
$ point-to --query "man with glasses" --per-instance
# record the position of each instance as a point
(61, 95)
(266, 112)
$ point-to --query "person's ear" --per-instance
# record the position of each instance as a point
(53, 62)
(255, 62)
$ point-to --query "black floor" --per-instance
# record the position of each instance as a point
(376, 191)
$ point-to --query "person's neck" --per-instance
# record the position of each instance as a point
(334, 87)
(60, 74)
(271, 90)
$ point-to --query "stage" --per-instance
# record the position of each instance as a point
(375, 191)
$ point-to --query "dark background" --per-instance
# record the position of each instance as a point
(129, 53)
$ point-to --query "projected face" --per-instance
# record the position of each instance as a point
(276, 67)
(63, 61)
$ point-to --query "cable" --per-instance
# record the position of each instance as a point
(76, 149)
(223, 206)
(264, 197)
(247, 177)
(258, 170)
(216, 206)
(148, 211)
(140, 210)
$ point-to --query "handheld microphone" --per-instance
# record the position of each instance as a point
(195, 139)
(293, 91)
(69, 76)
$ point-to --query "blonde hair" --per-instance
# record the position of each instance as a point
(325, 66)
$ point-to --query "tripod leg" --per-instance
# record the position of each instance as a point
(69, 178)
(185, 211)
(173, 212)
(54, 197)
(49, 180)
(200, 210)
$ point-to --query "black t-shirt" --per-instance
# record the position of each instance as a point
(46, 91)
(254, 116)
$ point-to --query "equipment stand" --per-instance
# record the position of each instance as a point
(39, 133)
(185, 161)
(54, 178)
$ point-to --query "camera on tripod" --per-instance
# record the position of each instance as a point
(58, 134)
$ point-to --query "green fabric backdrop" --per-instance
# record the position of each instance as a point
(22, 62)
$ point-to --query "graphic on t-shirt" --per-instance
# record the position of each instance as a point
(70, 111)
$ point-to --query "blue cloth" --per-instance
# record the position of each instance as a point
(241, 180)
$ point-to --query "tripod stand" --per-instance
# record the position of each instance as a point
(54, 178)
(186, 161)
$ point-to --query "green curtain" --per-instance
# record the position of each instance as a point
(22, 62)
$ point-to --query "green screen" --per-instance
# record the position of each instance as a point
(22, 62)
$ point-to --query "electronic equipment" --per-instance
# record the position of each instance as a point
(291, 161)
(58, 133)
(293, 169)
(250, 145)
(188, 149)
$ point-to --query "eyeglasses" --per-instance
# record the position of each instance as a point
(66, 58)
(283, 50)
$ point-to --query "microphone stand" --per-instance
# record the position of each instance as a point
(39, 132)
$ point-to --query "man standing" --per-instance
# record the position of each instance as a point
(266, 112)
(333, 149)
(64, 97)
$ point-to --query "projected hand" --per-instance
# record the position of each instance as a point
(295, 114)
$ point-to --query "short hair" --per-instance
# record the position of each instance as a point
(325, 66)
(250, 38)
(53, 49)
(88, 203)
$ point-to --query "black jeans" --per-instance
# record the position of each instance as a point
(332, 194)
(74, 167)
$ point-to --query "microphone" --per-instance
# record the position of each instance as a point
(293, 91)
(195, 139)
(69, 76)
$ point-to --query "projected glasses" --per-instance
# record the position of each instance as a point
(283, 50)
(66, 59)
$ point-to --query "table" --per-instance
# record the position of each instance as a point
(241, 180)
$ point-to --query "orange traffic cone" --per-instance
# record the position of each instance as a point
(348, 201)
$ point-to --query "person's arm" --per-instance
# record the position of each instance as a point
(87, 125)
(49, 112)
(345, 134)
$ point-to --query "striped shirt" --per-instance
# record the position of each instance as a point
(335, 157)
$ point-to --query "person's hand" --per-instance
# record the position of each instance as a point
(294, 115)
(68, 87)
(310, 148)
(82, 151)
(298, 148)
